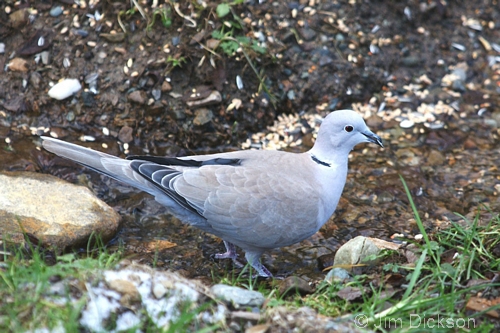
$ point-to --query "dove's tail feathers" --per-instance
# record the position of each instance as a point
(111, 166)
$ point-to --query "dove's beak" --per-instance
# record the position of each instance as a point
(372, 137)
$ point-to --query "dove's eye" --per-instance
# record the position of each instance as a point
(348, 128)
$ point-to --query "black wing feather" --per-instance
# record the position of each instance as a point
(185, 163)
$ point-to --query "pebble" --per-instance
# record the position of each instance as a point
(435, 158)
(18, 65)
(80, 32)
(138, 96)
(19, 18)
(56, 11)
(65, 89)
(70, 116)
(2, 48)
(202, 117)
(293, 285)
(35, 79)
(356, 251)
(411, 61)
(113, 38)
(337, 275)
(165, 86)
(156, 94)
(307, 33)
(45, 56)
(125, 134)
(238, 296)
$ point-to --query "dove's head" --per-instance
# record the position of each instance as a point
(340, 131)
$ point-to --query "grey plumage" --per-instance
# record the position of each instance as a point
(257, 200)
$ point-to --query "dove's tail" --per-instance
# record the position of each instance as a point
(111, 166)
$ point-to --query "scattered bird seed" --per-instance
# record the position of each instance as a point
(406, 124)
(374, 49)
(481, 111)
(239, 82)
(459, 47)
(87, 138)
(407, 12)
(495, 47)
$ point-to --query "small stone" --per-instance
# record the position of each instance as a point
(212, 43)
(125, 134)
(325, 261)
(294, 285)
(18, 65)
(202, 117)
(165, 86)
(470, 144)
(337, 275)
(159, 290)
(70, 116)
(126, 288)
(435, 158)
(355, 251)
(45, 56)
(156, 94)
(19, 18)
(307, 33)
(35, 79)
(113, 38)
(325, 60)
(411, 61)
(65, 89)
(56, 11)
(138, 96)
(238, 296)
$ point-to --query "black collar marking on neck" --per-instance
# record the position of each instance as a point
(315, 159)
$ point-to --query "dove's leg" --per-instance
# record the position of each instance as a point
(253, 259)
(230, 254)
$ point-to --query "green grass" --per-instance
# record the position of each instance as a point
(25, 277)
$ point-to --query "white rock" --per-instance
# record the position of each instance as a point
(65, 88)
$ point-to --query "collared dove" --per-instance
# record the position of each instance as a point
(254, 199)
